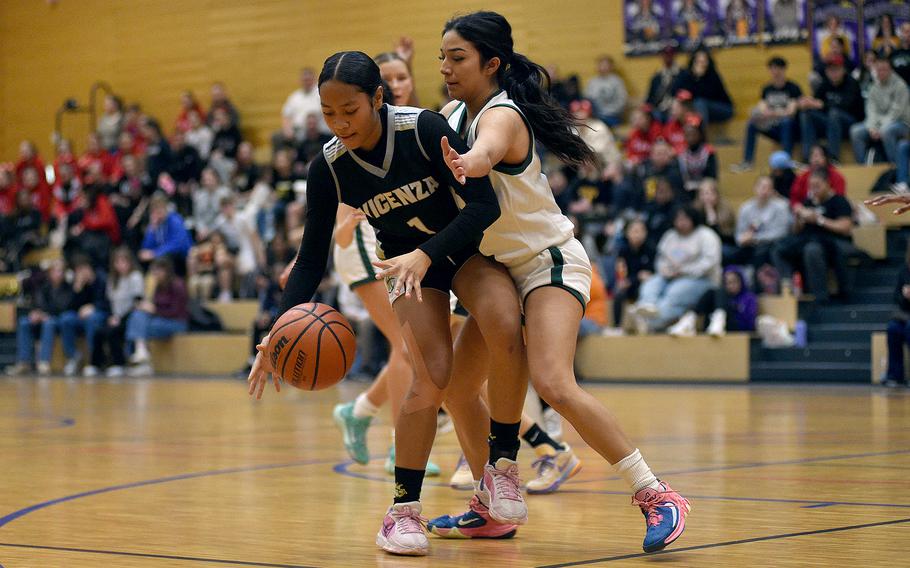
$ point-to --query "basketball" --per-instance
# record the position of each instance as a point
(312, 346)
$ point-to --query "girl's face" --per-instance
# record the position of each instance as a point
(463, 70)
(122, 265)
(732, 284)
(636, 234)
(683, 224)
(700, 65)
(396, 74)
(707, 193)
(817, 157)
(351, 114)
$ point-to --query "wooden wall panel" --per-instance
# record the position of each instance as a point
(150, 50)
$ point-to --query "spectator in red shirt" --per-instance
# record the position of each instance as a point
(818, 160)
(28, 158)
(673, 128)
(65, 156)
(93, 228)
(7, 191)
(220, 100)
(95, 156)
(132, 124)
(645, 131)
(33, 181)
(188, 103)
(67, 192)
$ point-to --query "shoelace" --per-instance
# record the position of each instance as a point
(409, 522)
(543, 464)
(507, 483)
(650, 506)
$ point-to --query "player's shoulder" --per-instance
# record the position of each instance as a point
(331, 151)
(450, 108)
(405, 117)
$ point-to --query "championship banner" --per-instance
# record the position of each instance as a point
(785, 21)
(696, 22)
(835, 21)
(647, 26)
(740, 21)
(881, 19)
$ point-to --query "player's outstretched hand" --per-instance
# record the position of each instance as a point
(406, 272)
(259, 374)
(902, 198)
(454, 160)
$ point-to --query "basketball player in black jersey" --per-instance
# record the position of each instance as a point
(387, 161)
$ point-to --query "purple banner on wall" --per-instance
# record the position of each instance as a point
(647, 26)
(785, 21)
(695, 22)
(739, 21)
(880, 21)
(835, 22)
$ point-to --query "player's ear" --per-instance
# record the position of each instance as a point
(492, 66)
(377, 98)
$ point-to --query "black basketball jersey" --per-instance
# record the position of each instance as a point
(410, 198)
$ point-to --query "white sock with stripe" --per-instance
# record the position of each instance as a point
(636, 472)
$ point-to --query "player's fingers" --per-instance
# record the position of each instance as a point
(417, 289)
(277, 381)
(261, 387)
(445, 145)
(902, 209)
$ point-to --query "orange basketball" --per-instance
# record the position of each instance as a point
(312, 346)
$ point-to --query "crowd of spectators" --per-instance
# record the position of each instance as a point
(153, 217)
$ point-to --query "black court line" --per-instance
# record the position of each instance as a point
(149, 555)
(726, 543)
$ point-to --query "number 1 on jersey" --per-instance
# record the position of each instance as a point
(418, 224)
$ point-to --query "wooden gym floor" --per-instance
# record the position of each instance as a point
(175, 472)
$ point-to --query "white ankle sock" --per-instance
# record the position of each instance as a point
(363, 407)
(636, 472)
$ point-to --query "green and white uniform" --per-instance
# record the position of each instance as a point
(354, 263)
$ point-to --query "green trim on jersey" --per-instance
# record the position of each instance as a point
(364, 257)
(514, 170)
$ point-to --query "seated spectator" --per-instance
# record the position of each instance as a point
(199, 135)
(158, 157)
(67, 193)
(675, 122)
(207, 202)
(280, 251)
(823, 227)
(660, 92)
(53, 298)
(731, 307)
(227, 135)
(268, 293)
(302, 102)
(697, 161)
(87, 313)
(284, 139)
(762, 222)
(165, 315)
(7, 191)
(835, 107)
(900, 57)
(29, 159)
(311, 142)
(133, 121)
(659, 211)
(775, 115)
(833, 31)
(884, 39)
(887, 114)
(286, 183)
(33, 183)
(818, 160)
(899, 328)
(709, 96)
(166, 235)
(23, 232)
(865, 74)
(209, 263)
(838, 50)
(598, 136)
(110, 123)
(188, 104)
(220, 100)
(645, 132)
(187, 165)
(65, 155)
(125, 290)
(595, 317)
(782, 174)
(93, 227)
(95, 156)
(246, 171)
(129, 198)
(242, 240)
(608, 92)
(634, 265)
(717, 214)
(640, 185)
(688, 265)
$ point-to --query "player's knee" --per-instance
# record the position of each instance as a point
(553, 390)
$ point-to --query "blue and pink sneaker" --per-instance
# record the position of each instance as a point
(403, 532)
(665, 513)
(476, 523)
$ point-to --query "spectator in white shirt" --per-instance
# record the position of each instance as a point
(302, 102)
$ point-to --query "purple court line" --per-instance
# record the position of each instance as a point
(726, 543)
(150, 555)
(25, 511)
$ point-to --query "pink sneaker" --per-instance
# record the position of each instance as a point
(403, 531)
(665, 513)
(500, 492)
(476, 523)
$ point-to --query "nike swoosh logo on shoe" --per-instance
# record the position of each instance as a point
(469, 522)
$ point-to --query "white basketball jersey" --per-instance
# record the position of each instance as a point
(531, 221)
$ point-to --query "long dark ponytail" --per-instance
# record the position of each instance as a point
(526, 83)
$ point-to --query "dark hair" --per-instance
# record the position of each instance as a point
(526, 82)
(711, 66)
(824, 152)
(354, 68)
(882, 55)
(167, 265)
(691, 212)
(387, 56)
(820, 173)
(777, 61)
(123, 251)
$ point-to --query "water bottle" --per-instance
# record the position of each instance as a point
(801, 334)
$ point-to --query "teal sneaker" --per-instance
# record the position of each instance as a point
(432, 469)
(354, 431)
